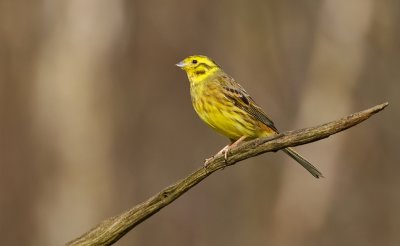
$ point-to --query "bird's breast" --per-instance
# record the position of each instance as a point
(220, 113)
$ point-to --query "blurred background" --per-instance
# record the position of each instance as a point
(95, 118)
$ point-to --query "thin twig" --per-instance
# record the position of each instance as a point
(112, 229)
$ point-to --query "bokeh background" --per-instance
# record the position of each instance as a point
(95, 118)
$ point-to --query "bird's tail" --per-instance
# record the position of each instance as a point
(306, 164)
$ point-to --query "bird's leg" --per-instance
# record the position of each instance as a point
(223, 150)
(226, 149)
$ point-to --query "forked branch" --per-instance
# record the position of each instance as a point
(112, 229)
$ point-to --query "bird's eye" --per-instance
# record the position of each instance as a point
(194, 61)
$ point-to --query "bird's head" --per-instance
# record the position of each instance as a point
(198, 67)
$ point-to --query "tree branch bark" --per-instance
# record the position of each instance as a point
(111, 230)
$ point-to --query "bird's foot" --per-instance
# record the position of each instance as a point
(207, 160)
(224, 151)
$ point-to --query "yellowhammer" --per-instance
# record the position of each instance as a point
(226, 107)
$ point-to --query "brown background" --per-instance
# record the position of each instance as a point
(95, 117)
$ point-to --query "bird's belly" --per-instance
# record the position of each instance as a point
(228, 122)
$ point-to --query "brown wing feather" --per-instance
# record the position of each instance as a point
(236, 93)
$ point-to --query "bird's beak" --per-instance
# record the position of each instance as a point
(181, 64)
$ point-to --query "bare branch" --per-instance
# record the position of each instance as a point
(112, 229)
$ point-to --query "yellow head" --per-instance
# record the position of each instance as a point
(198, 68)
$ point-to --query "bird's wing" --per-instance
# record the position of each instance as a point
(241, 99)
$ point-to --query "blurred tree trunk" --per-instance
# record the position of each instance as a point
(19, 39)
(336, 64)
(73, 115)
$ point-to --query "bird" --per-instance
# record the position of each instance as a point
(224, 105)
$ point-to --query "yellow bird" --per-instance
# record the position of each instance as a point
(227, 108)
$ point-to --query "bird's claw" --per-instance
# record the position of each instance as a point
(207, 160)
(226, 155)
(224, 152)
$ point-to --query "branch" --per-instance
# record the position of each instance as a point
(111, 230)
